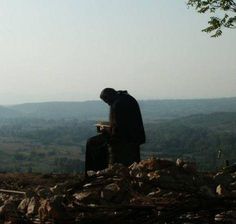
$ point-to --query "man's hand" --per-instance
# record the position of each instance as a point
(103, 127)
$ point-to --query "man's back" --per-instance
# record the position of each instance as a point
(126, 120)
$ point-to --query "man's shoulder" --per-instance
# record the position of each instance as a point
(125, 99)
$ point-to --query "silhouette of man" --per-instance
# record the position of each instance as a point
(121, 142)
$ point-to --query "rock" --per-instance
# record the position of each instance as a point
(219, 217)
(43, 211)
(9, 207)
(135, 170)
(23, 206)
(165, 164)
(207, 191)
(141, 200)
(154, 176)
(233, 185)
(233, 194)
(57, 189)
(149, 164)
(144, 187)
(223, 178)
(162, 179)
(30, 194)
(159, 183)
(154, 194)
(43, 192)
(117, 192)
(53, 208)
(141, 175)
(56, 208)
(190, 167)
(33, 206)
(133, 166)
(152, 164)
(225, 217)
(110, 191)
(179, 162)
(221, 191)
(91, 173)
(230, 169)
(116, 169)
(87, 196)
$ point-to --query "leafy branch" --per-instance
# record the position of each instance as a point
(213, 6)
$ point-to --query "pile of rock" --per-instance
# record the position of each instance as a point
(152, 191)
(225, 182)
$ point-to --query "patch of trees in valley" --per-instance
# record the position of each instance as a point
(40, 145)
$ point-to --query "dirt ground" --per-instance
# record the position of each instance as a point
(26, 181)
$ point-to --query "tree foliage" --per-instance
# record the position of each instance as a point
(225, 10)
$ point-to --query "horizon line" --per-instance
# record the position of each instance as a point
(97, 100)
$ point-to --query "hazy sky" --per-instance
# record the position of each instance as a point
(69, 50)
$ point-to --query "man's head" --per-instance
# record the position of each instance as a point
(108, 95)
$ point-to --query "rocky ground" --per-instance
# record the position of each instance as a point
(152, 191)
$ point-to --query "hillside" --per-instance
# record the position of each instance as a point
(96, 110)
(87, 110)
(154, 109)
(6, 112)
(220, 121)
(199, 137)
(44, 145)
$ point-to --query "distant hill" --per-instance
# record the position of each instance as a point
(220, 121)
(9, 112)
(153, 109)
(87, 110)
(37, 141)
(94, 110)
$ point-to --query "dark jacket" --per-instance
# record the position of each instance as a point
(126, 120)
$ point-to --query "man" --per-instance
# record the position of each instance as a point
(125, 135)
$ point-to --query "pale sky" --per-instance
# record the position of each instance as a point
(69, 50)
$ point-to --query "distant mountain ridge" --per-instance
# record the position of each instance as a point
(182, 108)
(87, 110)
(95, 110)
